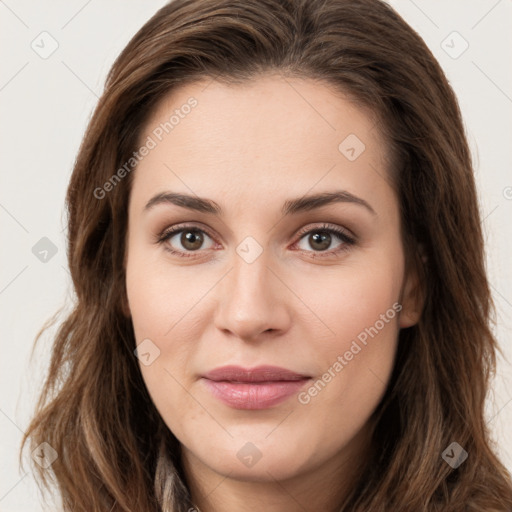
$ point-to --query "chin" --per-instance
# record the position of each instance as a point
(258, 461)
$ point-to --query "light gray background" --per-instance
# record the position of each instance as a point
(45, 106)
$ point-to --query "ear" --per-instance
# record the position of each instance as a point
(413, 293)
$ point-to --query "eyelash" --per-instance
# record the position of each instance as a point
(340, 233)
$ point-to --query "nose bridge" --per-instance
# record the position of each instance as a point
(249, 302)
(250, 281)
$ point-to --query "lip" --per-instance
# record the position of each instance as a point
(253, 388)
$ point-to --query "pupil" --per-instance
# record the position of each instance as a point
(323, 239)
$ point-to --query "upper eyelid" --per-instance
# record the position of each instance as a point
(327, 226)
(173, 230)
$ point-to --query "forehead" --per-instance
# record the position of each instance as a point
(250, 143)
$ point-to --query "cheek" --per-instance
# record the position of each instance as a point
(349, 300)
(164, 305)
(158, 295)
(359, 312)
(157, 301)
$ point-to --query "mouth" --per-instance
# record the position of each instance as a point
(253, 388)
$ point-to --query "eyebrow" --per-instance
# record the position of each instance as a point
(291, 206)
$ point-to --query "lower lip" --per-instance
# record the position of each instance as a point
(252, 395)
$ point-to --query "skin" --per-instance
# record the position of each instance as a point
(250, 148)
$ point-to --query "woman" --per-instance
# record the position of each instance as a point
(277, 255)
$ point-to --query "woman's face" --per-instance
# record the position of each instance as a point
(256, 276)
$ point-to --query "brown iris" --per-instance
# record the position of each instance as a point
(321, 239)
(191, 239)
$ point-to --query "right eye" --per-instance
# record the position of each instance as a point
(191, 239)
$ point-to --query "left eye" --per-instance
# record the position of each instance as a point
(320, 239)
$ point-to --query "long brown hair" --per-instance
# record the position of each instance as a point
(114, 451)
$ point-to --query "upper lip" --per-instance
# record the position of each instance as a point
(258, 374)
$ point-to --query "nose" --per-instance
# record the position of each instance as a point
(252, 301)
